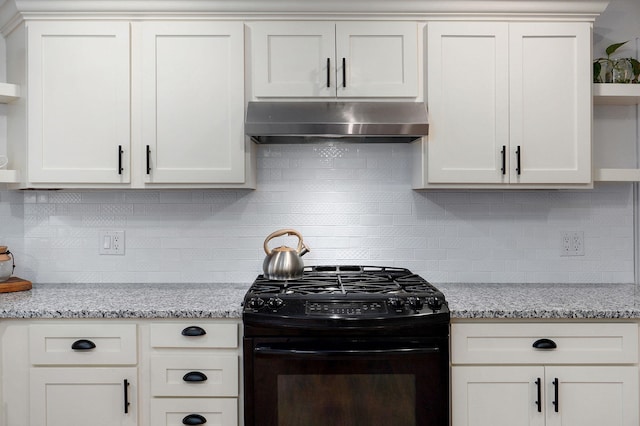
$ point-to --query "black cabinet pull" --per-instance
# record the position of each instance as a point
(126, 396)
(344, 72)
(539, 393)
(195, 376)
(148, 159)
(83, 345)
(556, 402)
(328, 72)
(544, 344)
(194, 419)
(504, 159)
(518, 159)
(120, 152)
(194, 330)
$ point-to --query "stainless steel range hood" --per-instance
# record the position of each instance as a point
(308, 122)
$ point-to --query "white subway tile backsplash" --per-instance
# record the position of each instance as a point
(353, 203)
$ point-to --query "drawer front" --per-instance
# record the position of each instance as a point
(194, 335)
(583, 343)
(83, 344)
(213, 375)
(177, 412)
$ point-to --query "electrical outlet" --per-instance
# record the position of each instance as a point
(112, 242)
(572, 243)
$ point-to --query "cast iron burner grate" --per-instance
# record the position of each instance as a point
(346, 280)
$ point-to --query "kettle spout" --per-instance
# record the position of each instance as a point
(304, 250)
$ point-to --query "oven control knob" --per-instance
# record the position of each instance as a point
(434, 303)
(256, 303)
(275, 302)
(396, 303)
(415, 303)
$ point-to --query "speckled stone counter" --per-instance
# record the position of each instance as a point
(219, 300)
(542, 301)
(125, 301)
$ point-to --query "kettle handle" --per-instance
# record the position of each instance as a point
(281, 232)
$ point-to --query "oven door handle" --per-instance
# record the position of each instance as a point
(265, 350)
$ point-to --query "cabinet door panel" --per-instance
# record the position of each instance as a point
(193, 102)
(551, 102)
(78, 107)
(593, 396)
(468, 102)
(496, 396)
(290, 59)
(381, 59)
(71, 396)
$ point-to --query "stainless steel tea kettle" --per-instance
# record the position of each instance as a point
(284, 263)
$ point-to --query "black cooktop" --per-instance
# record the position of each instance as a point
(353, 296)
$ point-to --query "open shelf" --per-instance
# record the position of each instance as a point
(9, 176)
(9, 93)
(616, 94)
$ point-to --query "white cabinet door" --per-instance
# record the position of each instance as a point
(377, 59)
(293, 59)
(193, 102)
(324, 59)
(509, 103)
(468, 102)
(592, 396)
(78, 102)
(497, 396)
(550, 74)
(83, 396)
(507, 396)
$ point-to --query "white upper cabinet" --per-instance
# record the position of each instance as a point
(193, 102)
(78, 102)
(327, 59)
(509, 103)
(116, 104)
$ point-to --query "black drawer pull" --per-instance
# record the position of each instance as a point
(194, 330)
(194, 419)
(120, 152)
(195, 376)
(556, 391)
(83, 345)
(544, 344)
(539, 393)
(126, 396)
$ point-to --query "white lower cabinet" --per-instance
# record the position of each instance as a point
(500, 378)
(83, 373)
(120, 372)
(194, 373)
(81, 396)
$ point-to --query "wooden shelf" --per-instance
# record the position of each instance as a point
(9, 176)
(616, 175)
(9, 93)
(616, 94)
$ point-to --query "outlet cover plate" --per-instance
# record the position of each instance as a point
(112, 242)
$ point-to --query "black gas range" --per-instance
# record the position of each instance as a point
(349, 345)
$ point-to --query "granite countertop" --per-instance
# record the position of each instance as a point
(222, 300)
(125, 301)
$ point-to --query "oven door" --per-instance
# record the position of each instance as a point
(349, 382)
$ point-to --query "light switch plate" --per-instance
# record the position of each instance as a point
(111, 242)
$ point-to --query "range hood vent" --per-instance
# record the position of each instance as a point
(308, 122)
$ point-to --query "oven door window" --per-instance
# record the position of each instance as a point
(351, 384)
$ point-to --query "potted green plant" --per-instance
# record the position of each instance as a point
(616, 70)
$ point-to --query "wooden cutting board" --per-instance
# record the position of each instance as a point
(14, 284)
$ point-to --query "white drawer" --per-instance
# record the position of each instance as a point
(190, 335)
(513, 343)
(213, 375)
(83, 344)
(215, 411)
